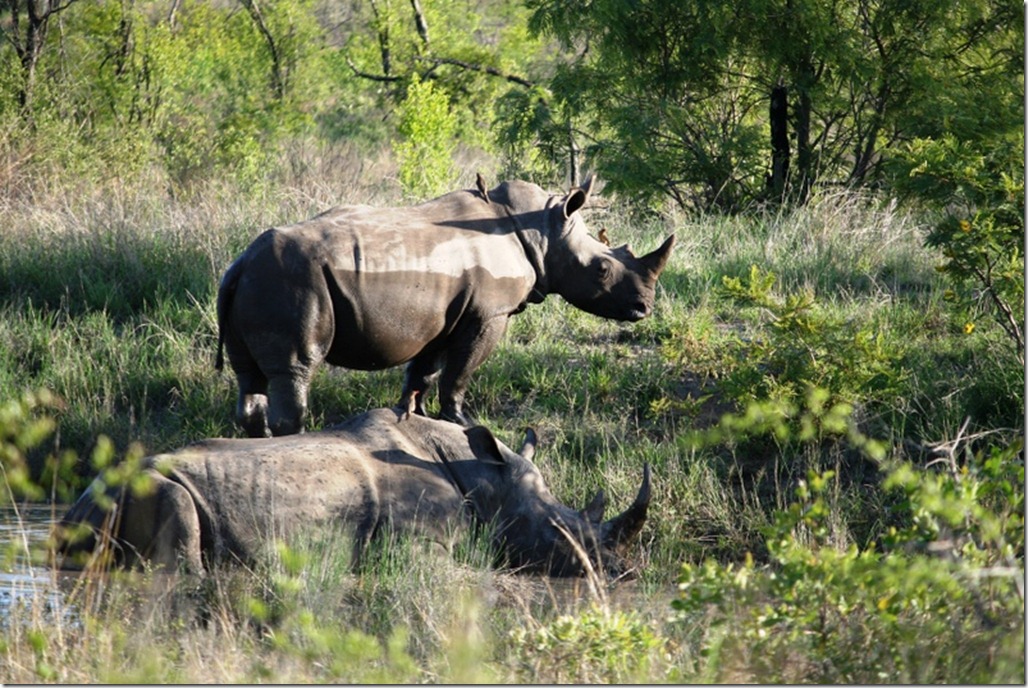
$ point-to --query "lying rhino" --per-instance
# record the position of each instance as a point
(223, 499)
(372, 288)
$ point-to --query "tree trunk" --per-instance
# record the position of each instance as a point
(278, 86)
(29, 50)
(382, 28)
(804, 154)
(779, 117)
(29, 47)
(572, 154)
(420, 23)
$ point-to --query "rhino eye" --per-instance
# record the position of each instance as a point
(603, 269)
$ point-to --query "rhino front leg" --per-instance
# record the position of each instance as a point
(469, 349)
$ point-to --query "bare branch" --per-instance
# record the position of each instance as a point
(382, 28)
(367, 75)
(419, 22)
(277, 81)
(492, 71)
(172, 12)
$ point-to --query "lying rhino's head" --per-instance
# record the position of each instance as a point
(609, 282)
(537, 534)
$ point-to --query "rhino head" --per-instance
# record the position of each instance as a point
(608, 282)
(535, 533)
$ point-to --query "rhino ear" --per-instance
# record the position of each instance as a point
(577, 198)
(485, 446)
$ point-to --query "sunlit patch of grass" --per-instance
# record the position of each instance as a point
(109, 302)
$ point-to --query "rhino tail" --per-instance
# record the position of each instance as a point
(226, 292)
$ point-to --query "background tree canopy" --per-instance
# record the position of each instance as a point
(699, 103)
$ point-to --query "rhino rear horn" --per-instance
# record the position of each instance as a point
(528, 446)
(623, 527)
(654, 262)
(594, 510)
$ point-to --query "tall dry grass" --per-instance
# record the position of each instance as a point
(107, 298)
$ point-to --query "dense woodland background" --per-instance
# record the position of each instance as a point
(830, 391)
(698, 104)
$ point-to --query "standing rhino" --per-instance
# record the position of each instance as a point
(224, 499)
(433, 284)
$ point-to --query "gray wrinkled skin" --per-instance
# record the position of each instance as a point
(224, 499)
(431, 285)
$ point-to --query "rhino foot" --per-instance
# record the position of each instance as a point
(456, 416)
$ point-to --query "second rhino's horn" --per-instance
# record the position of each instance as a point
(625, 526)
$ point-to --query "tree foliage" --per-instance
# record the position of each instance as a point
(674, 96)
(668, 100)
(425, 154)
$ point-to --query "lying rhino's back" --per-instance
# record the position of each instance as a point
(249, 491)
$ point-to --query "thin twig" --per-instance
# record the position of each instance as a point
(596, 588)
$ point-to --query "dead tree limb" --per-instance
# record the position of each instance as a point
(492, 71)
(29, 47)
(382, 29)
(420, 23)
(278, 86)
(386, 78)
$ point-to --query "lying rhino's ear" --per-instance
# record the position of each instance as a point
(577, 198)
(485, 446)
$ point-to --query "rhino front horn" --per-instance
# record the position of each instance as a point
(655, 261)
(623, 527)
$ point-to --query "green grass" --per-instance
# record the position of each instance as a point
(107, 299)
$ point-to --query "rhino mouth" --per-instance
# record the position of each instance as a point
(637, 312)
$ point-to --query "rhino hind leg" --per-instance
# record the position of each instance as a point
(462, 359)
(421, 372)
(287, 406)
(162, 528)
(252, 406)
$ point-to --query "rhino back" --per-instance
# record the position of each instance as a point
(250, 491)
(401, 280)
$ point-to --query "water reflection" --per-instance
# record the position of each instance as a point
(29, 589)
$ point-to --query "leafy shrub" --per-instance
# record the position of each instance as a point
(950, 572)
(21, 430)
(807, 347)
(426, 153)
(980, 187)
(596, 646)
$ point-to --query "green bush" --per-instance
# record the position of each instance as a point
(594, 646)
(426, 152)
(805, 347)
(980, 188)
(859, 613)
